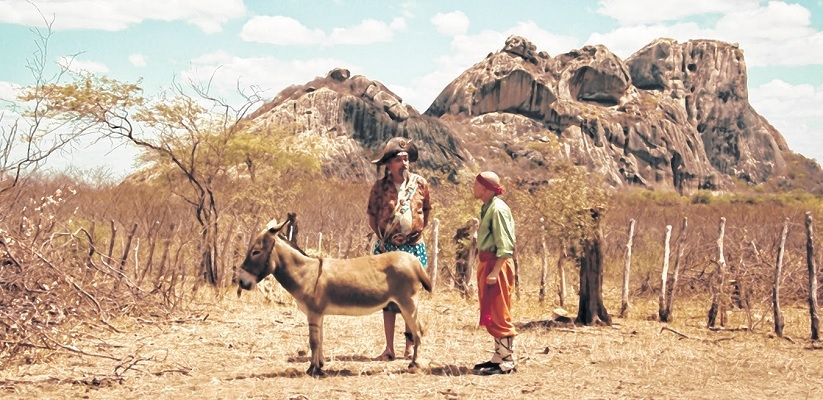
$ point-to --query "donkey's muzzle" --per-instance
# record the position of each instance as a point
(246, 280)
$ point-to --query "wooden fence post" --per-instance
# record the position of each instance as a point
(433, 269)
(561, 275)
(718, 291)
(516, 276)
(473, 260)
(681, 245)
(661, 307)
(627, 264)
(815, 319)
(543, 268)
(778, 267)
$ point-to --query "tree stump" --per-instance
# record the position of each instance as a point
(591, 310)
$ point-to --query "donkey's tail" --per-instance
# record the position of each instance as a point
(423, 276)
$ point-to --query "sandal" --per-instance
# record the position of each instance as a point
(485, 365)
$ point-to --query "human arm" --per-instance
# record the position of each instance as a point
(491, 278)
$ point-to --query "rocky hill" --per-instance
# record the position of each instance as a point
(674, 116)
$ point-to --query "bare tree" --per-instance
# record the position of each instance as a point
(204, 149)
(27, 137)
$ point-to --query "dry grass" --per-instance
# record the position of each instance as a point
(252, 347)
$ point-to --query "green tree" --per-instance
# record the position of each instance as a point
(206, 151)
(569, 207)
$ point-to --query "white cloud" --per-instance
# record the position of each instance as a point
(208, 15)
(9, 91)
(625, 41)
(634, 12)
(75, 65)
(774, 34)
(368, 31)
(408, 9)
(796, 111)
(138, 60)
(544, 40)
(451, 24)
(467, 50)
(279, 30)
(227, 72)
(287, 31)
(777, 34)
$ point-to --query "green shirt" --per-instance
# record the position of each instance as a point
(496, 232)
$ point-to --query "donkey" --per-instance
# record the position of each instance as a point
(327, 286)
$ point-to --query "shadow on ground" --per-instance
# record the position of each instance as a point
(439, 370)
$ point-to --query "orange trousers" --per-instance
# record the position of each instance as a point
(496, 300)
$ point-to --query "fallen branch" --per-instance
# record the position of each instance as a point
(666, 328)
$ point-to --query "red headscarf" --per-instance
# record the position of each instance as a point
(488, 185)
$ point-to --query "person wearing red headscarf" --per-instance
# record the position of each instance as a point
(495, 273)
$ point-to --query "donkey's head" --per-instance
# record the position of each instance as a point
(257, 264)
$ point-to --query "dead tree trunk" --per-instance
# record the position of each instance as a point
(591, 310)
(466, 240)
(627, 263)
(433, 268)
(125, 257)
(111, 242)
(718, 288)
(681, 246)
(778, 268)
(661, 306)
(815, 319)
(561, 276)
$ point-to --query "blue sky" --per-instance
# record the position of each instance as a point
(414, 47)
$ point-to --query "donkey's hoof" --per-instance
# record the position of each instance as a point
(315, 371)
(413, 365)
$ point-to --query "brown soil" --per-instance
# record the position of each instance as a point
(254, 348)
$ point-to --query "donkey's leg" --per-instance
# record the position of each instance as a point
(316, 344)
(408, 309)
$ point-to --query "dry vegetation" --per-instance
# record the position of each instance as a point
(103, 297)
(250, 348)
(127, 290)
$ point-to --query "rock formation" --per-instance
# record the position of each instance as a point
(673, 116)
(353, 117)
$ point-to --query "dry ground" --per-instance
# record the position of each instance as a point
(252, 348)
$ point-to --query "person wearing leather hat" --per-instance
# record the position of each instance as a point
(398, 210)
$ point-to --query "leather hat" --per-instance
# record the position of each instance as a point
(395, 146)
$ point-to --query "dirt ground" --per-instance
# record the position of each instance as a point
(252, 348)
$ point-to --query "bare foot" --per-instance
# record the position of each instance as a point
(386, 356)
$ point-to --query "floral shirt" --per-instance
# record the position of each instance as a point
(382, 201)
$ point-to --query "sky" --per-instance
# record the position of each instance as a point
(415, 48)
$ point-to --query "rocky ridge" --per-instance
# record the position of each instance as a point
(673, 115)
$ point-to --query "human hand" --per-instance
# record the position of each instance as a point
(491, 280)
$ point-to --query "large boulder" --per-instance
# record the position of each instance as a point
(672, 116)
(352, 117)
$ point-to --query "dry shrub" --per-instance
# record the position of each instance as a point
(67, 259)
(59, 272)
